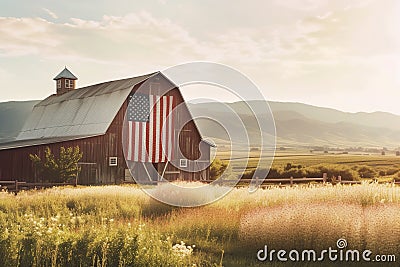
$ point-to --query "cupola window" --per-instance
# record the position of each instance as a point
(68, 83)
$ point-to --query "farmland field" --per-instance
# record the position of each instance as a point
(386, 167)
(122, 226)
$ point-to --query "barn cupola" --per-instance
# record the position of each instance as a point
(65, 81)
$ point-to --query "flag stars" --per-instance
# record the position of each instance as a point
(139, 108)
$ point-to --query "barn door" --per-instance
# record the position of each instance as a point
(88, 174)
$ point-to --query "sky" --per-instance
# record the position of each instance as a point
(340, 54)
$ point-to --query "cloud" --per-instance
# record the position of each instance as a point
(324, 36)
(24, 36)
(112, 38)
(325, 16)
(318, 5)
(135, 37)
(300, 4)
(50, 13)
(326, 45)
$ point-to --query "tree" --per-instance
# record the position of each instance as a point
(288, 166)
(60, 169)
(217, 168)
(366, 172)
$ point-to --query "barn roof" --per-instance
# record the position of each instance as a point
(77, 114)
(41, 141)
(80, 112)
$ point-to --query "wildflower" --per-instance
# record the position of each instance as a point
(182, 250)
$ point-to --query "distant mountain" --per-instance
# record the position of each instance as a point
(297, 124)
(12, 117)
(329, 115)
(301, 124)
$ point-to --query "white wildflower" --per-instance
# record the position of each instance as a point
(182, 250)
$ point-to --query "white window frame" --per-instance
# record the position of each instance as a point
(183, 163)
(112, 161)
(58, 84)
(68, 83)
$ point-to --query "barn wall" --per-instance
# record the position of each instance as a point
(16, 165)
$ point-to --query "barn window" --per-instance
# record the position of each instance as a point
(183, 163)
(59, 84)
(68, 83)
(112, 161)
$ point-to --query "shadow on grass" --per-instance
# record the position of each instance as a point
(154, 208)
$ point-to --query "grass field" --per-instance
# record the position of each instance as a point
(122, 226)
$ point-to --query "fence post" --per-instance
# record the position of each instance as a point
(291, 180)
(324, 177)
(16, 186)
(339, 179)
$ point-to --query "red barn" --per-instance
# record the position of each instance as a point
(93, 118)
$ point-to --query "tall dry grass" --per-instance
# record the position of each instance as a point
(121, 225)
(319, 226)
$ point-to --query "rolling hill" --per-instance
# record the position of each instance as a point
(299, 124)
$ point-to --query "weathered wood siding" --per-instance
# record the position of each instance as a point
(16, 165)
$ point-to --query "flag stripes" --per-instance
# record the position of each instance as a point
(150, 131)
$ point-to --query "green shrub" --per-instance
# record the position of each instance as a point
(391, 171)
(366, 172)
(334, 170)
(388, 172)
(316, 171)
(217, 168)
(58, 169)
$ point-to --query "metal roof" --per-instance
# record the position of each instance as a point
(42, 141)
(209, 142)
(82, 112)
(65, 73)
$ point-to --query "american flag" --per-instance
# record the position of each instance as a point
(150, 131)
